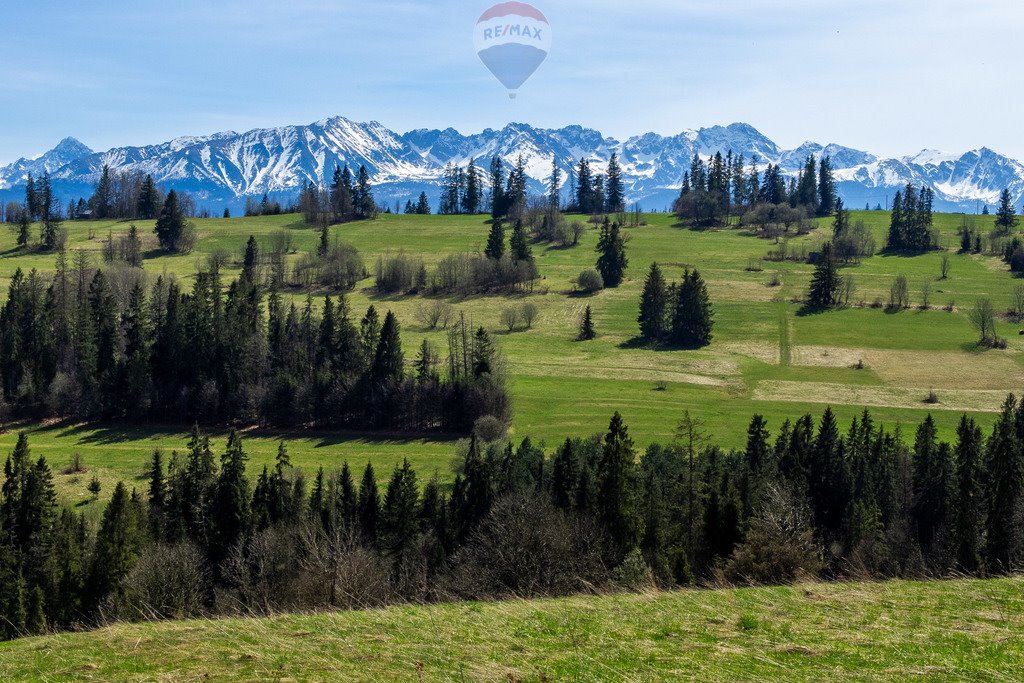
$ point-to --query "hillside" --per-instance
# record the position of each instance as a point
(935, 631)
(765, 358)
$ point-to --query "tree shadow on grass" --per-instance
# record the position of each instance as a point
(102, 434)
(639, 343)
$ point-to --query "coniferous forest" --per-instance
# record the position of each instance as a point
(203, 536)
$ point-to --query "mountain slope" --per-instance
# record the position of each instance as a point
(226, 167)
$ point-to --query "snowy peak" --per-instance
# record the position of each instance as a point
(226, 167)
(66, 151)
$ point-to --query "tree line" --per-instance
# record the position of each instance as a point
(97, 343)
(346, 198)
(201, 537)
(712, 191)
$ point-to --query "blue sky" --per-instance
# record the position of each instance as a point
(890, 76)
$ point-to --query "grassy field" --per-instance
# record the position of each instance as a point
(899, 631)
(766, 358)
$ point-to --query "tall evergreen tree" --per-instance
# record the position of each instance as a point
(653, 306)
(495, 241)
(170, 224)
(612, 260)
(368, 507)
(229, 506)
(1006, 216)
(519, 245)
(616, 494)
(825, 283)
(693, 316)
(474, 193)
(827, 195)
(587, 331)
(970, 496)
(497, 180)
(614, 196)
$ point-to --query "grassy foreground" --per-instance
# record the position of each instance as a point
(899, 631)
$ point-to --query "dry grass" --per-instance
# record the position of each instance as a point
(948, 631)
(959, 400)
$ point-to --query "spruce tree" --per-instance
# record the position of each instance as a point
(471, 198)
(1005, 488)
(149, 200)
(229, 508)
(389, 362)
(119, 542)
(693, 315)
(616, 495)
(497, 180)
(368, 507)
(653, 302)
(1006, 216)
(827, 195)
(495, 241)
(614, 196)
(423, 205)
(825, 283)
(612, 261)
(519, 245)
(399, 522)
(555, 186)
(170, 224)
(585, 188)
(587, 332)
(969, 497)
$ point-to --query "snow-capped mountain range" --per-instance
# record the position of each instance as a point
(224, 168)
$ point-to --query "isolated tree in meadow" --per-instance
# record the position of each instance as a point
(473, 195)
(653, 302)
(1006, 216)
(899, 294)
(171, 223)
(495, 241)
(587, 332)
(693, 316)
(825, 283)
(611, 261)
(983, 319)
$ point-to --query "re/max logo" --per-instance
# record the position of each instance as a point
(512, 30)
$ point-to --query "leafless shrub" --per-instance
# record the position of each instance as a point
(168, 582)
(528, 548)
(509, 318)
(530, 313)
(435, 313)
(780, 546)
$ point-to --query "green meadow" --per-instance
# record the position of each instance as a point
(896, 631)
(766, 358)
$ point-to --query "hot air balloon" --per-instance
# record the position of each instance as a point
(513, 39)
